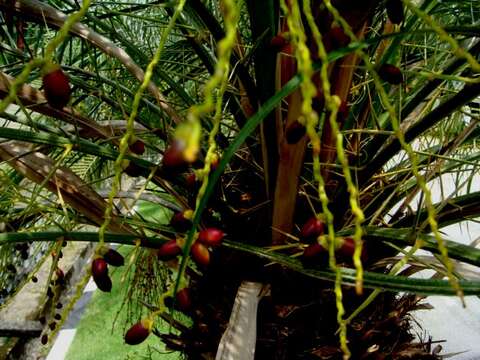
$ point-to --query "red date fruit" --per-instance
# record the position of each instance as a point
(211, 236)
(390, 74)
(184, 301)
(313, 251)
(200, 254)
(99, 267)
(137, 147)
(173, 157)
(169, 250)
(138, 332)
(312, 229)
(56, 86)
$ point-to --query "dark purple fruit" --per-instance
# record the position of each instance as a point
(113, 257)
(395, 11)
(52, 325)
(103, 283)
(42, 320)
(57, 88)
(44, 339)
(390, 74)
(133, 170)
(138, 332)
(59, 305)
(169, 250)
(200, 254)
(211, 236)
(159, 132)
(34, 279)
(137, 147)
(295, 132)
(182, 220)
(312, 229)
(184, 301)
(58, 317)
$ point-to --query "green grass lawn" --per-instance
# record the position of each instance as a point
(94, 338)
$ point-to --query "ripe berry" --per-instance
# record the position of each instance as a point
(184, 301)
(58, 317)
(137, 147)
(114, 258)
(395, 11)
(132, 169)
(99, 268)
(211, 236)
(312, 229)
(313, 251)
(173, 157)
(34, 279)
(169, 250)
(57, 88)
(200, 254)
(44, 339)
(103, 283)
(182, 220)
(347, 248)
(100, 275)
(390, 74)
(295, 132)
(138, 332)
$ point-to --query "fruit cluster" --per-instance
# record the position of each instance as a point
(312, 233)
(209, 237)
(100, 268)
